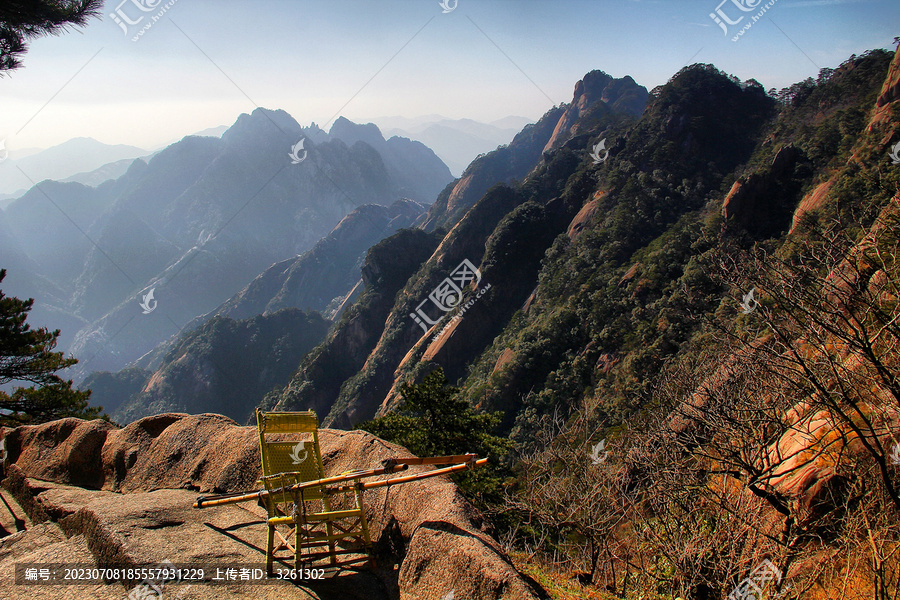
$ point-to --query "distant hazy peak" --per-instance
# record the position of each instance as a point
(349, 132)
(263, 118)
(316, 133)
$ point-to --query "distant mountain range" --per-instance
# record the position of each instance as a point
(456, 141)
(61, 162)
(194, 224)
(85, 160)
(82, 160)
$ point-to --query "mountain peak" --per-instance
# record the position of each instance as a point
(263, 119)
(621, 95)
(349, 132)
(593, 81)
(316, 133)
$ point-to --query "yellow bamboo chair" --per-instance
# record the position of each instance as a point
(303, 521)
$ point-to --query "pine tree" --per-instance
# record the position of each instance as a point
(21, 20)
(27, 355)
(435, 420)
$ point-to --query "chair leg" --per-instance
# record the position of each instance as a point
(270, 549)
(297, 546)
(364, 525)
(331, 544)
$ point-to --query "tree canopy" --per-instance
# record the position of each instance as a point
(22, 20)
(27, 355)
(435, 420)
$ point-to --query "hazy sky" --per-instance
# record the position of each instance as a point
(205, 62)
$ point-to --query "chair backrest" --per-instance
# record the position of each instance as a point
(299, 457)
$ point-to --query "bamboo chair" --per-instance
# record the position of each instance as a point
(303, 521)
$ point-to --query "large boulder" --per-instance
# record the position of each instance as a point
(129, 493)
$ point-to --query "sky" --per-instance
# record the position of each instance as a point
(203, 62)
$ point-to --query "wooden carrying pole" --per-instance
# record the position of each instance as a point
(391, 465)
(207, 501)
(431, 460)
(398, 480)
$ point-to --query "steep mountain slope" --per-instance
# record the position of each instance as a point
(325, 278)
(568, 180)
(616, 302)
(601, 93)
(540, 216)
(226, 366)
(620, 238)
(323, 372)
(781, 417)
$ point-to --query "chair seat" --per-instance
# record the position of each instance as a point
(334, 514)
(322, 516)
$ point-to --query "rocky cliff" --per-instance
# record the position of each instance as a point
(91, 493)
(597, 91)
